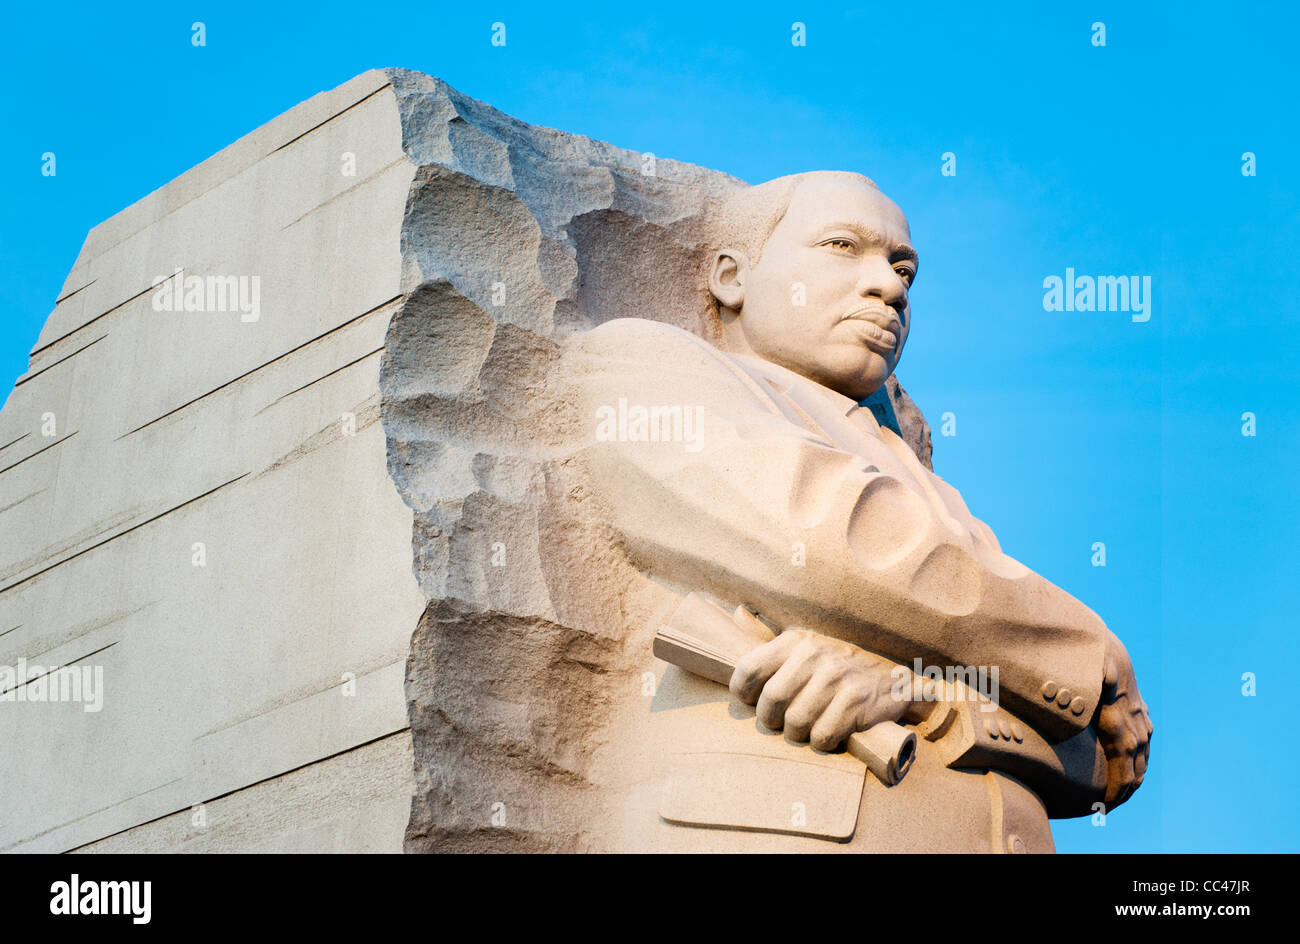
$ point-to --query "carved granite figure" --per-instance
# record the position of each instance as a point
(670, 554)
(748, 471)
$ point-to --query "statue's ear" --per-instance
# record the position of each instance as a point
(727, 278)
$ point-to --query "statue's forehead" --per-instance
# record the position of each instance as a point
(821, 200)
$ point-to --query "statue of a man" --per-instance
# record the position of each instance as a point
(780, 493)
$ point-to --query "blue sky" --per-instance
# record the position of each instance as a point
(1071, 427)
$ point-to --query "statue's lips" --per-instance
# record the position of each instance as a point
(878, 327)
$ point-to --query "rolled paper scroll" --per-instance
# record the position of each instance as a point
(702, 639)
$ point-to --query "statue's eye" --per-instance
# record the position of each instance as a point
(905, 273)
(845, 244)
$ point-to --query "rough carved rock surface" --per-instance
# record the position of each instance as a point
(533, 642)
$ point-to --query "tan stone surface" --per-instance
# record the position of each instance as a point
(184, 428)
(354, 802)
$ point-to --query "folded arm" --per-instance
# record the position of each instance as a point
(762, 509)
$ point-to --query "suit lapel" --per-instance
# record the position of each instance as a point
(850, 427)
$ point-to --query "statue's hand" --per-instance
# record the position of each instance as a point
(818, 688)
(1123, 726)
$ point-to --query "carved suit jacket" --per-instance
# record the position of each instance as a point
(779, 493)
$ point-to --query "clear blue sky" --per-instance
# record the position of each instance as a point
(1072, 427)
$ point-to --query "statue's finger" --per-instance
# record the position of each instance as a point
(808, 705)
(836, 723)
(757, 666)
(780, 691)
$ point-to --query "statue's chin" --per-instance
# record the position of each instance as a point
(861, 393)
(856, 387)
(843, 369)
(859, 384)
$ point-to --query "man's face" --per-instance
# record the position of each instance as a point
(848, 247)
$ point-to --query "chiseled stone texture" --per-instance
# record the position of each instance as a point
(528, 671)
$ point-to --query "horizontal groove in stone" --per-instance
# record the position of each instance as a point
(220, 796)
(331, 118)
(63, 298)
(364, 182)
(114, 537)
(38, 452)
(102, 809)
(254, 370)
(55, 668)
(87, 324)
(14, 442)
(238, 157)
(336, 370)
(27, 377)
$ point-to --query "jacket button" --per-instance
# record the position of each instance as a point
(1049, 690)
(1063, 697)
(1077, 706)
(990, 730)
(1005, 729)
(1017, 733)
(1016, 845)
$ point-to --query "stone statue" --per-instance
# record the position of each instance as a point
(677, 584)
(746, 471)
(689, 581)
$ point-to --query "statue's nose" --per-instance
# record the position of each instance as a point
(879, 280)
